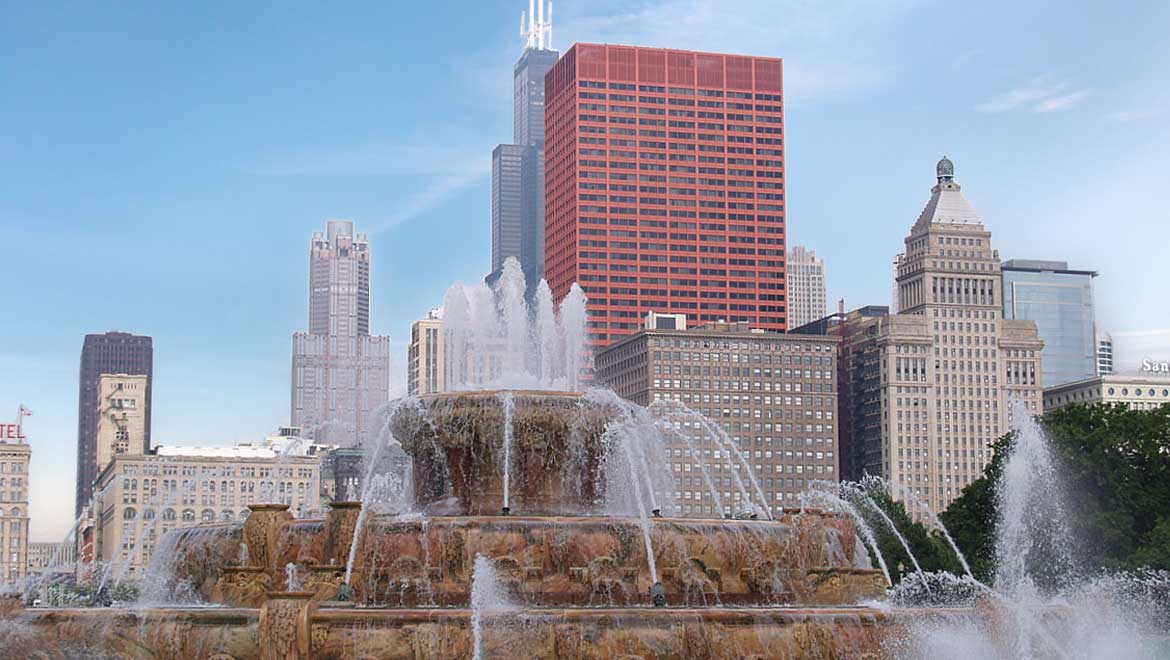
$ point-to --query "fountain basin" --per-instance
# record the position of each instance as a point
(801, 558)
(299, 630)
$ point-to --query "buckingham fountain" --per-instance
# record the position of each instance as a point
(531, 524)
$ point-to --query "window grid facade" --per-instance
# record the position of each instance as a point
(665, 186)
(14, 487)
(774, 395)
(931, 388)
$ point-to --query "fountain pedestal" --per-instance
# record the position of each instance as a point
(261, 531)
(285, 632)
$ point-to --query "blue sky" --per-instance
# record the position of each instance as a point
(162, 166)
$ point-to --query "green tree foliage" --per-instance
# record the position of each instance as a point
(929, 547)
(971, 517)
(1116, 467)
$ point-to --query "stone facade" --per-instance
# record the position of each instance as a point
(121, 421)
(806, 286)
(774, 394)
(932, 387)
(139, 498)
(15, 457)
(426, 366)
(1137, 392)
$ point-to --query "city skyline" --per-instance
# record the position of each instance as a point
(271, 187)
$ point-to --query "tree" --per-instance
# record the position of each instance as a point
(1116, 467)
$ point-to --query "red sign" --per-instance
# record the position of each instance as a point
(11, 432)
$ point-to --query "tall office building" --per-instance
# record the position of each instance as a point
(1060, 301)
(340, 372)
(806, 286)
(109, 353)
(773, 394)
(15, 457)
(518, 168)
(664, 187)
(926, 392)
(425, 371)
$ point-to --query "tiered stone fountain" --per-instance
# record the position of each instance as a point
(579, 580)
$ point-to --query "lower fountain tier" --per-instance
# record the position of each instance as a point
(296, 629)
(805, 558)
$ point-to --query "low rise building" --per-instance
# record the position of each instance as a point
(51, 557)
(774, 395)
(1139, 392)
(138, 498)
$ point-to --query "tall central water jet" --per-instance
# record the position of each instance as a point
(508, 401)
(495, 340)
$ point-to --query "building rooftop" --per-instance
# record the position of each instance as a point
(947, 204)
(1042, 266)
(238, 451)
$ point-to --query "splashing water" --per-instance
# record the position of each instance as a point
(509, 404)
(489, 599)
(907, 494)
(823, 494)
(1039, 609)
(855, 493)
(673, 410)
(494, 340)
(379, 489)
(292, 580)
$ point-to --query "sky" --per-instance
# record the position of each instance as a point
(163, 166)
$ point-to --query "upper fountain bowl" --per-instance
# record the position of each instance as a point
(556, 453)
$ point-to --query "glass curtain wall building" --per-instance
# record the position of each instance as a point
(1060, 301)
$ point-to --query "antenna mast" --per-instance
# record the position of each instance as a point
(538, 32)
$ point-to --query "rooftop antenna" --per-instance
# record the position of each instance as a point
(538, 32)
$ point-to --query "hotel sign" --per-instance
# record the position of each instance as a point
(11, 432)
(1155, 367)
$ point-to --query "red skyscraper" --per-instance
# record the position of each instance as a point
(664, 185)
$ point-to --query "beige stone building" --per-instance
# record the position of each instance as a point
(15, 455)
(49, 557)
(425, 358)
(138, 498)
(1139, 392)
(121, 423)
(928, 390)
(806, 286)
(774, 395)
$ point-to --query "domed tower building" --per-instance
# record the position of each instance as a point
(933, 386)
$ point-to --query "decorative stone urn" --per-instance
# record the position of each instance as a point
(261, 531)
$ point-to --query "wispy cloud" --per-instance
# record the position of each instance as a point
(1132, 115)
(966, 57)
(436, 192)
(827, 47)
(1044, 94)
(1061, 102)
(435, 172)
